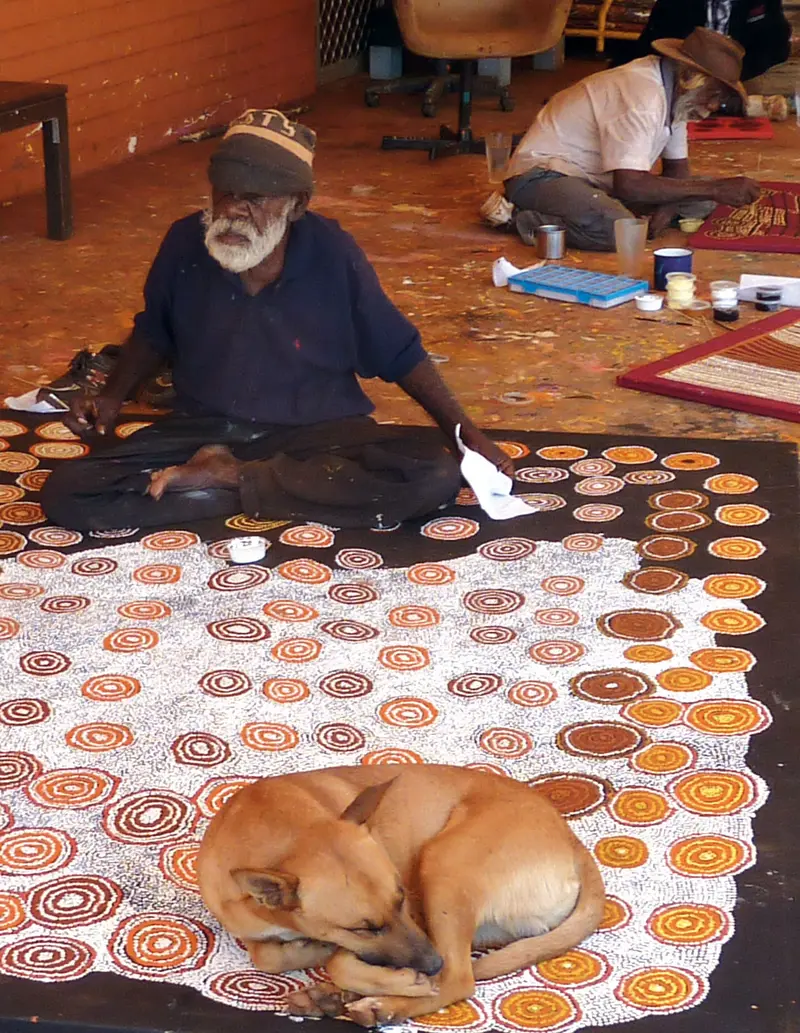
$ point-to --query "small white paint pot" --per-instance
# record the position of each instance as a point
(249, 549)
(649, 302)
(724, 290)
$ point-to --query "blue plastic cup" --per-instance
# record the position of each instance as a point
(670, 260)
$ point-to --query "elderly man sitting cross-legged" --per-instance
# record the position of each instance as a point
(587, 160)
(267, 314)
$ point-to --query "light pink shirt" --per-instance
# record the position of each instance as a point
(616, 119)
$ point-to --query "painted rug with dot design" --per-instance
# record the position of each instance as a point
(609, 651)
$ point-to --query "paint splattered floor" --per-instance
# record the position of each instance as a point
(418, 222)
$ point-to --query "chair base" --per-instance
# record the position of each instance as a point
(448, 143)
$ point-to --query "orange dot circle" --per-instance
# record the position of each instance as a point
(100, 737)
(631, 454)
(663, 758)
(654, 712)
(724, 660)
(307, 572)
(732, 622)
(731, 484)
(733, 586)
(621, 852)
(636, 805)
(290, 611)
(690, 461)
(647, 654)
(12, 912)
(728, 717)
(458, 1015)
(683, 679)
(157, 574)
(708, 857)
(297, 650)
(130, 640)
(574, 968)
(737, 548)
(404, 658)
(392, 755)
(273, 738)
(741, 514)
(408, 712)
(414, 617)
(660, 989)
(513, 449)
(616, 914)
(285, 690)
(145, 610)
(430, 574)
(714, 792)
(562, 452)
(688, 924)
(538, 1009)
(108, 688)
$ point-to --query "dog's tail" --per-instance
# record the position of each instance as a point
(583, 920)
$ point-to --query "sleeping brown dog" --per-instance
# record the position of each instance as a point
(391, 883)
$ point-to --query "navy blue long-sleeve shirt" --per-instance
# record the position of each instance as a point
(291, 353)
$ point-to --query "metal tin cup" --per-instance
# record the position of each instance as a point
(550, 242)
(670, 260)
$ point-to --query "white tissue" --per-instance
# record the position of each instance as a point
(28, 403)
(491, 486)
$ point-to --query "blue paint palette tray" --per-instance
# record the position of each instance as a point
(563, 283)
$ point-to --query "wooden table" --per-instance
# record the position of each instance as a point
(28, 103)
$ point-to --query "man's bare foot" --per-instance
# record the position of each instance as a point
(212, 466)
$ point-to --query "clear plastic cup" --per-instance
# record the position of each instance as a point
(630, 237)
(498, 151)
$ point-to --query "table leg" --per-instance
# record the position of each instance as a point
(57, 180)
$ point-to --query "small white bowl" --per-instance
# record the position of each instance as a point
(250, 549)
(649, 302)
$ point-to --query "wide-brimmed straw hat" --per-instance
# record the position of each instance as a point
(709, 52)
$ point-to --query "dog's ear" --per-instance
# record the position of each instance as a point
(366, 803)
(270, 888)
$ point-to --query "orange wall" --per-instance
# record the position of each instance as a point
(141, 71)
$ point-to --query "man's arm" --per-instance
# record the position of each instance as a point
(676, 168)
(389, 347)
(137, 361)
(426, 387)
(149, 344)
(632, 185)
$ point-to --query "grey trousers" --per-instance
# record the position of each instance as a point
(586, 212)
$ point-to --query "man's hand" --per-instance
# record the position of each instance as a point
(478, 442)
(736, 192)
(89, 413)
(425, 386)
(661, 219)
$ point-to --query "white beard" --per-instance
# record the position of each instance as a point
(238, 258)
(687, 108)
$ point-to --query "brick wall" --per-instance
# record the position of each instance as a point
(141, 71)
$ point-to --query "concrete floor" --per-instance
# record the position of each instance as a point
(418, 223)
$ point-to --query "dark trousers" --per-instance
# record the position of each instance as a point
(347, 473)
(585, 211)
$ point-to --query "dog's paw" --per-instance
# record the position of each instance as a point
(407, 982)
(369, 1011)
(318, 1001)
